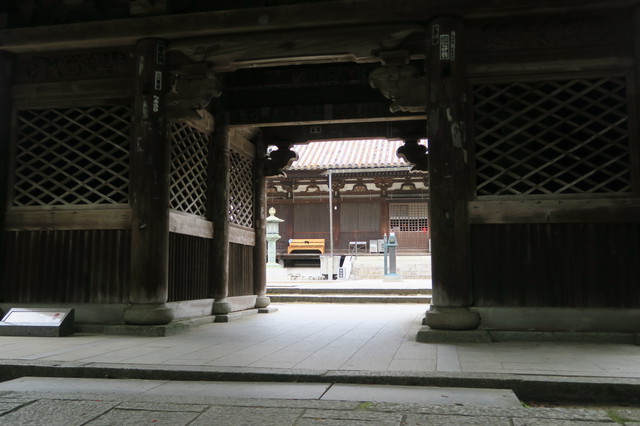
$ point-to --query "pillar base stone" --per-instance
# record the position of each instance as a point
(221, 307)
(262, 301)
(148, 314)
(451, 318)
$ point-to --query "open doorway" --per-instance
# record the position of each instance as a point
(374, 194)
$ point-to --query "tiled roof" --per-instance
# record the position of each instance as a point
(348, 154)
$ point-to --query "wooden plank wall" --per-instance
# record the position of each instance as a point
(359, 221)
(188, 267)
(240, 270)
(88, 266)
(578, 265)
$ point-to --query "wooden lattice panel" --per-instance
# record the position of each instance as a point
(188, 189)
(72, 156)
(408, 217)
(552, 137)
(241, 190)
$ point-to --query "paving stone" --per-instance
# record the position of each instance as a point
(629, 414)
(79, 385)
(56, 412)
(234, 416)
(574, 414)
(137, 417)
(197, 408)
(555, 422)
(361, 415)
(6, 406)
(422, 394)
(432, 419)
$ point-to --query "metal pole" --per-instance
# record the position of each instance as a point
(330, 226)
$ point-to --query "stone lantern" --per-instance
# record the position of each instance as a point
(273, 229)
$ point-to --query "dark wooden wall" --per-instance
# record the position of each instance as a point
(359, 221)
(555, 221)
(240, 270)
(579, 265)
(189, 258)
(311, 221)
(91, 266)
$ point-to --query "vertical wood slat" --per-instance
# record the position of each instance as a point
(150, 165)
(241, 267)
(580, 265)
(188, 267)
(90, 266)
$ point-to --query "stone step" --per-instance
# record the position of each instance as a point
(349, 298)
(271, 291)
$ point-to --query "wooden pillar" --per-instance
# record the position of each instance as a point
(219, 208)
(149, 189)
(635, 130)
(260, 212)
(449, 177)
(6, 78)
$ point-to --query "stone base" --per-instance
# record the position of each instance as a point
(451, 318)
(268, 310)
(262, 301)
(171, 329)
(232, 316)
(221, 307)
(429, 335)
(148, 314)
(392, 278)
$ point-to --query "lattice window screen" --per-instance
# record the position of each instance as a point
(408, 217)
(188, 188)
(241, 190)
(552, 137)
(72, 156)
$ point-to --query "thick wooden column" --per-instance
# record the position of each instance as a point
(149, 193)
(449, 177)
(259, 219)
(219, 208)
(6, 78)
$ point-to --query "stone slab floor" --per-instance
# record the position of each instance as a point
(321, 337)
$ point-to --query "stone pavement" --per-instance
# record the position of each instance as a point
(113, 402)
(327, 344)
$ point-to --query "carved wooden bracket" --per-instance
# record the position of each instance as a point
(403, 85)
(277, 160)
(414, 153)
(193, 88)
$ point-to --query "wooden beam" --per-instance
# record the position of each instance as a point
(150, 164)
(69, 219)
(72, 92)
(240, 144)
(593, 210)
(241, 235)
(125, 32)
(377, 129)
(284, 48)
(296, 115)
(189, 224)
